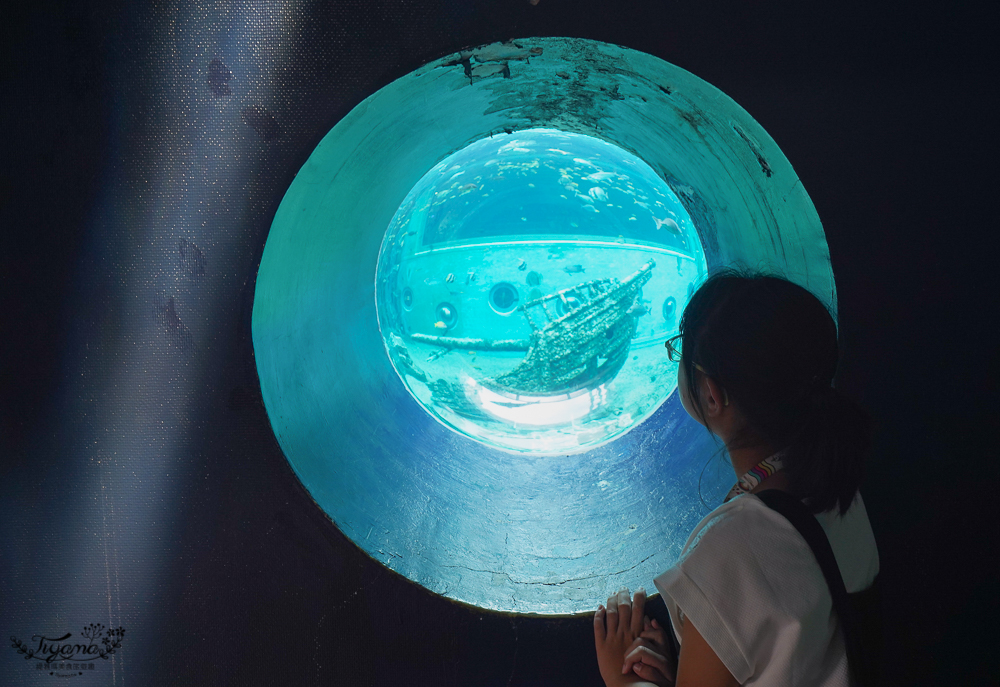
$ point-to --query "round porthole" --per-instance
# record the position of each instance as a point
(566, 303)
(536, 461)
(522, 206)
(503, 298)
(670, 309)
(447, 316)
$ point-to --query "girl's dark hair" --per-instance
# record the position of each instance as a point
(772, 346)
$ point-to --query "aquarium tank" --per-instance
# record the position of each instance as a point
(526, 285)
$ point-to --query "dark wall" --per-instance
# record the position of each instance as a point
(881, 111)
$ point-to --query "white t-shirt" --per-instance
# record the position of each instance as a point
(751, 585)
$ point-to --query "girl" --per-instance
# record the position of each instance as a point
(748, 601)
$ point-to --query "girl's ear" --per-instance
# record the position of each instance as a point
(713, 398)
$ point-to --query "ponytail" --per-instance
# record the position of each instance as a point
(826, 457)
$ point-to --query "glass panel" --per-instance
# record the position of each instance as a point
(525, 287)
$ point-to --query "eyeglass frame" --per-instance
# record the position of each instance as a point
(671, 352)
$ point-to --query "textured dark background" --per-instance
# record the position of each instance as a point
(883, 112)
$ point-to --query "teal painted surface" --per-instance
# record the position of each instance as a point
(521, 533)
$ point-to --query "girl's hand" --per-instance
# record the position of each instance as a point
(650, 656)
(616, 627)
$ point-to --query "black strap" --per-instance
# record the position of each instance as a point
(858, 616)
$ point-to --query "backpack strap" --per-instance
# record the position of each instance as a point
(860, 661)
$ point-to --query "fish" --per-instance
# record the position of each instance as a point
(668, 224)
(440, 325)
(469, 187)
(574, 269)
(450, 278)
(638, 309)
(509, 147)
(598, 194)
(600, 176)
(522, 265)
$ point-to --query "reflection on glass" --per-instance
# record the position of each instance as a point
(525, 287)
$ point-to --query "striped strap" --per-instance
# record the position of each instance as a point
(757, 474)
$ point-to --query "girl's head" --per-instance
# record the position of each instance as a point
(772, 348)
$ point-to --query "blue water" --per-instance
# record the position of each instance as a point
(514, 233)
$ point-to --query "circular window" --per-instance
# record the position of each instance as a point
(503, 298)
(446, 316)
(594, 231)
(514, 480)
(565, 303)
(670, 309)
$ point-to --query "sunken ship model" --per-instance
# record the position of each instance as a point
(580, 337)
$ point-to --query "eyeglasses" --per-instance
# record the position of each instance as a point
(675, 355)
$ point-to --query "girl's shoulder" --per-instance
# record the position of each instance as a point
(737, 524)
(747, 528)
(735, 518)
(750, 583)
